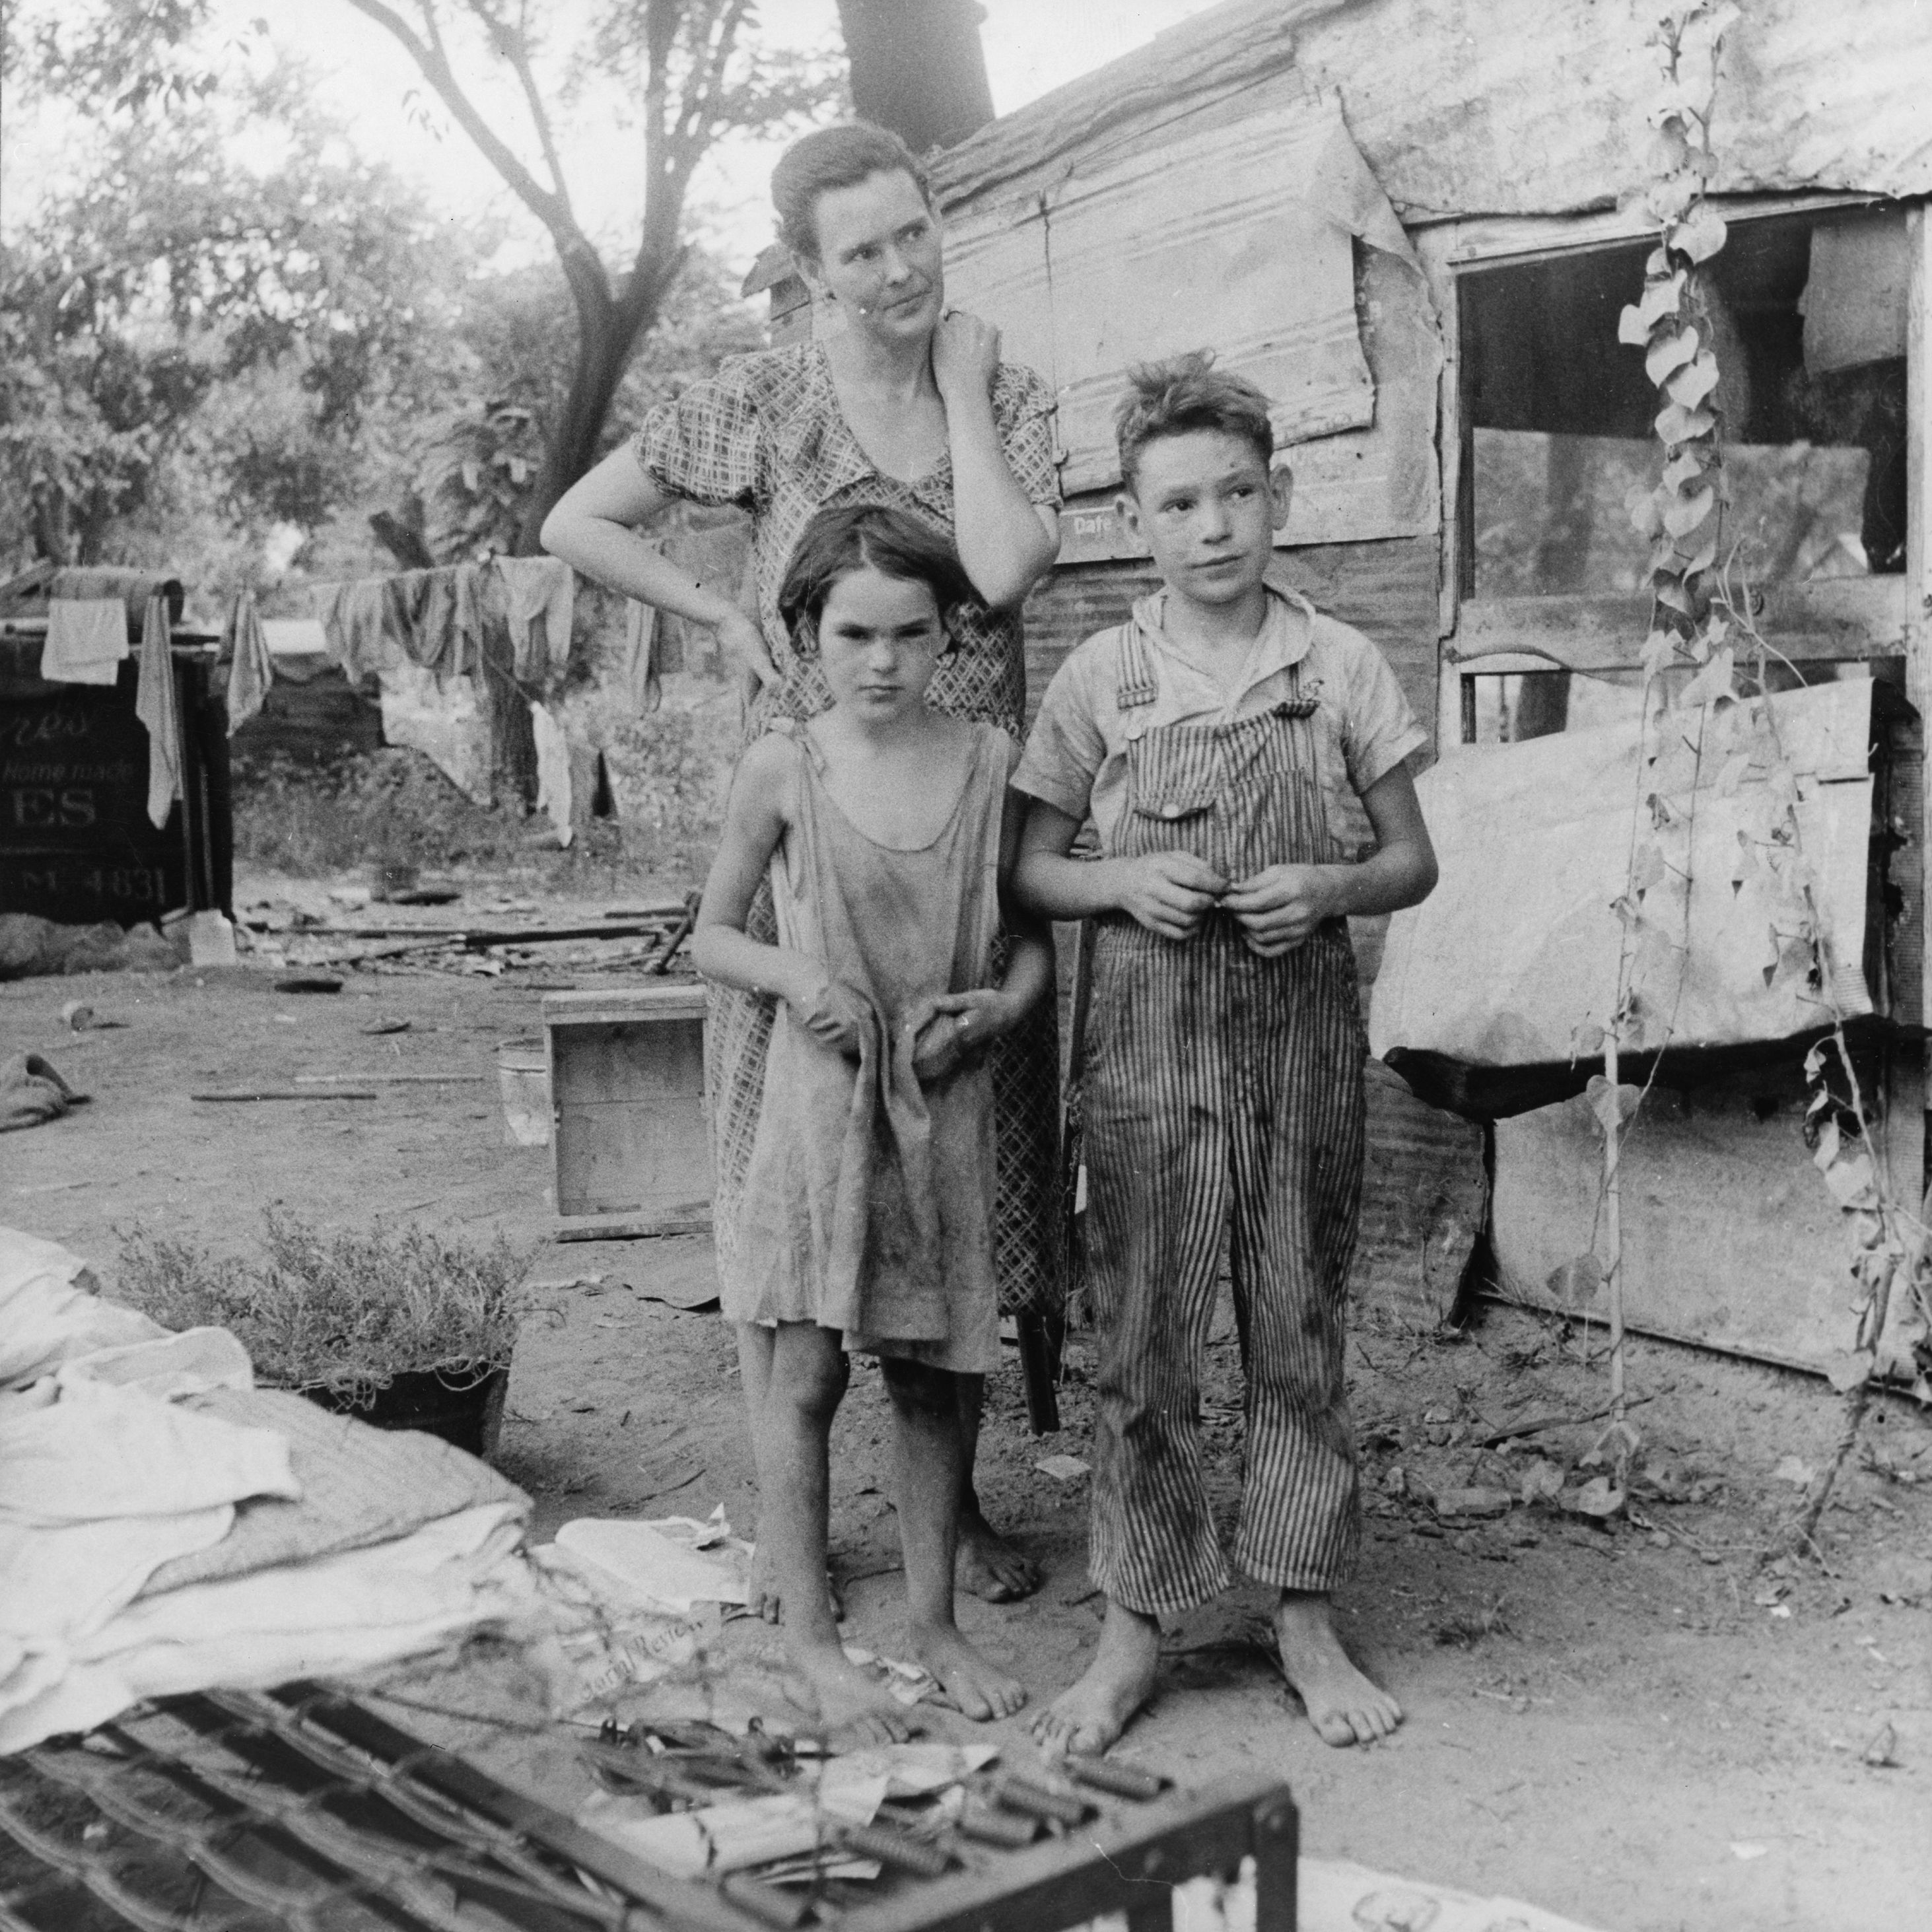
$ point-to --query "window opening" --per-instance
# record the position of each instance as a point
(1806, 314)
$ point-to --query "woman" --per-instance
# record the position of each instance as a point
(908, 405)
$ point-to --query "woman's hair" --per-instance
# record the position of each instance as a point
(834, 157)
(870, 537)
(1184, 393)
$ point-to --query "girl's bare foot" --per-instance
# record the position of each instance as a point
(1084, 1721)
(1344, 1707)
(977, 1687)
(989, 1566)
(854, 1707)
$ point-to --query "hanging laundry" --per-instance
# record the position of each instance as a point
(87, 638)
(541, 591)
(640, 669)
(554, 787)
(251, 670)
(154, 705)
(351, 619)
(449, 638)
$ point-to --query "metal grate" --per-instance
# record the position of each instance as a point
(225, 1812)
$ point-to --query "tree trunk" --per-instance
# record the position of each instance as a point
(918, 68)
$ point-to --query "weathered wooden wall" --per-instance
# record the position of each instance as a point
(1465, 107)
(1386, 590)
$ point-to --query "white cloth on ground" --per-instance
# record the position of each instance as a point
(154, 705)
(83, 1451)
(87, 638)
(554, 787)
(538, 588)
(49, 1313)
(338, 1614)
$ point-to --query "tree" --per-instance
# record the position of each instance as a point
(174, 286)
(693, 69)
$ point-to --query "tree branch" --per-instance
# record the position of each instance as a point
(430, 58)
(513, 44)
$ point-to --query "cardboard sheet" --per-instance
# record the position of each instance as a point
(1514, 956)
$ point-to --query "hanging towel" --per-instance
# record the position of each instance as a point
(87, 638)
(539, 590)
(251, 670)
(448, 638)
(553, 792)
(640, 663)
(352, 620)
(154, 706)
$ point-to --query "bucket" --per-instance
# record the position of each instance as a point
(454, 1402)
(522, 1074)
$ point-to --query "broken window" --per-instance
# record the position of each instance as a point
(1807, 314)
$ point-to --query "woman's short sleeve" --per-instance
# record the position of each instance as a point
(1023, 407)
(703, 445)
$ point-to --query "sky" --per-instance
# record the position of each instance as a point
(1031, 47)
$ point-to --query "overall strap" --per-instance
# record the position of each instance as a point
(1134, 684)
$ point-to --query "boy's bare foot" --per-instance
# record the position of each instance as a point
(853, 1706)
(977, 1686)
(1344, 1707)
(989, 1566)
(762, 1597)
(1084, 1721)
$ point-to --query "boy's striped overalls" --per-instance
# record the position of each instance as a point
(1223, 1092)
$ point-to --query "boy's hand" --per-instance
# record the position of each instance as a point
(1168, 893)
(833, 1015)
(1281, 908)
(955, 1028)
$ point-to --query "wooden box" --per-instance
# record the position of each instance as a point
(632, 1144)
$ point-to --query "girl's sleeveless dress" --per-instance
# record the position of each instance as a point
(868, 1199)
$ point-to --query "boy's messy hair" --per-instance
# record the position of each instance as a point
(868, 536)
(1184, 393)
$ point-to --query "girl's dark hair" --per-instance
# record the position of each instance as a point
(834, 157)
(1184, 393)
(872, 536)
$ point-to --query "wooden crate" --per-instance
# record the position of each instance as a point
(631, 1148)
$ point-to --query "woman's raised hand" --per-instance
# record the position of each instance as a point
(744, 640)
(965, 355)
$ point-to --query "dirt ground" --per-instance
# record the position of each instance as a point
(1651, 1727)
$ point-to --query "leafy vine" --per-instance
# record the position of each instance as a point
(1701, 623)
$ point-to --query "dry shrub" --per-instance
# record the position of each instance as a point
(344, 1311)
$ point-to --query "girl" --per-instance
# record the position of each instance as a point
(866, 1221)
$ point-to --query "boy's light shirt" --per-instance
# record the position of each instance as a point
(1076, 754)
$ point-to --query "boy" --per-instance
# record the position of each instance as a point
(1213, 740)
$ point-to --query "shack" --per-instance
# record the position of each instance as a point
(1414, 223)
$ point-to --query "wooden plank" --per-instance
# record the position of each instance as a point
(1511, 240)
(1738, 1245)
(1843, 619)
(1432, 248)
(1916, 586)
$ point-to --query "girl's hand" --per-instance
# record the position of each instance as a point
(954, 1029)
(965, 356)
(833, 1014)
(744, 641)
